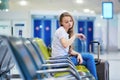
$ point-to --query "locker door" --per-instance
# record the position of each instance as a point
(81, 29)
(85, 27)
(47, 32)
(37, 28)
(57, 23)
(89, 33)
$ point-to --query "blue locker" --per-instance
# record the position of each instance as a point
(81, 29)
(47, 32)
(57, 23)
(85, 27)
(42, 29)
(89, 33)
(37, 29)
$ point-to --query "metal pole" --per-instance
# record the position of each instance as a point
(107, 36)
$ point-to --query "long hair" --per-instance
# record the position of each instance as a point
(70, 31)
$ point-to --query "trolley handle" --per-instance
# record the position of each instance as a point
(90, 49)
(91, 42)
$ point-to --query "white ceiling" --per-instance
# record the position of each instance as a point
(69, 5)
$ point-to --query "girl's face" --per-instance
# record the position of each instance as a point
(67, 22)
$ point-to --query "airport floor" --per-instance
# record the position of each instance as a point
(114, 62)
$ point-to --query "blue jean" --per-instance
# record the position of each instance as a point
(88, 61)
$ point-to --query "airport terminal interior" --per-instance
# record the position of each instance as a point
(34, 20)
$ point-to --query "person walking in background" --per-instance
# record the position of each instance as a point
(62, 44)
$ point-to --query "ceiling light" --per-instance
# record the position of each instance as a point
(79, 1)
(92, 12)
(0, 1)
(86, 10)
(23, 3)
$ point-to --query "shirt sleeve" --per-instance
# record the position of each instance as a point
(61, 33)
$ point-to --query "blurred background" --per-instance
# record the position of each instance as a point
(40, 18)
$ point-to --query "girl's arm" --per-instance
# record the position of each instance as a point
(68, 42)
(74, 53)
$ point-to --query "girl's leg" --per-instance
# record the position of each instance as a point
(88, 61)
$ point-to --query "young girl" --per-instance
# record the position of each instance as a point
(63, 39)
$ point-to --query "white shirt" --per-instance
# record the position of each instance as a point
(57, 48)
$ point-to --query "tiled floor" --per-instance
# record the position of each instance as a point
(114, 62)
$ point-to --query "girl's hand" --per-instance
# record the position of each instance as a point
(81, 36)
(79, 58)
